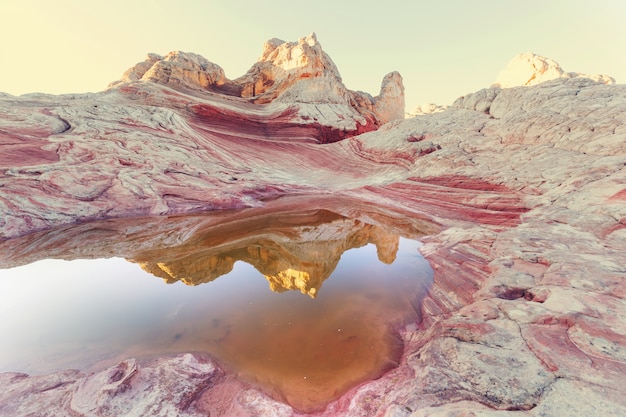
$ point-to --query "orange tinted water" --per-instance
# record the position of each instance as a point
(302, 350)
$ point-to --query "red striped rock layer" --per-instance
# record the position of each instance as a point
(123, 153)
(527, 186)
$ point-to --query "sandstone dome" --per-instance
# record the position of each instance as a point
(528, 68)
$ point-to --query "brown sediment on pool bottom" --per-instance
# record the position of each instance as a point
(305, 358)
(317, 362)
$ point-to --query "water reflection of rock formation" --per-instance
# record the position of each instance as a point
(286, 240)
(291, 257)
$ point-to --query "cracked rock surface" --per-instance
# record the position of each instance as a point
(526, 315)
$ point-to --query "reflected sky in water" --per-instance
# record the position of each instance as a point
(301, 349)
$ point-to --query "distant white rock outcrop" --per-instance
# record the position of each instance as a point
(426, 108)
(531, 69)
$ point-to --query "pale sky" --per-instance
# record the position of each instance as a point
(443, 49)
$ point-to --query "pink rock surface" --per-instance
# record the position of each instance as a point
(526, 314)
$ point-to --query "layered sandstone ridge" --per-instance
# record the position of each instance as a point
(287, 73)
(528, 185)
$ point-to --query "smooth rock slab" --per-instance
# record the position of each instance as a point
(167, 387)
(528, 185)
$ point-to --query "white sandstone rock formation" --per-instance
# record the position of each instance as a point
(283, 64)
(286, 73)
(389, 104)
(301, 72)
(426, 108)
(532, 69)
(528, 185)
(176, 69)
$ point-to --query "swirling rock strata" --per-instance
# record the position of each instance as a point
(528, 185)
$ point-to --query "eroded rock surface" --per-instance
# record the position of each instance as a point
(531, 69)
(178, 69)
(166, 387)
(526, 314)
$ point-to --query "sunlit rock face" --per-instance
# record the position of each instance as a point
(389, 104)
(531, 69)
(527, 185)
(177, 69)
(296, 74)
(284, 64)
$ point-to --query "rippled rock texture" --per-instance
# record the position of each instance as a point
(527, 187)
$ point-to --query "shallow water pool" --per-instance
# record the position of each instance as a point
(303, 309)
